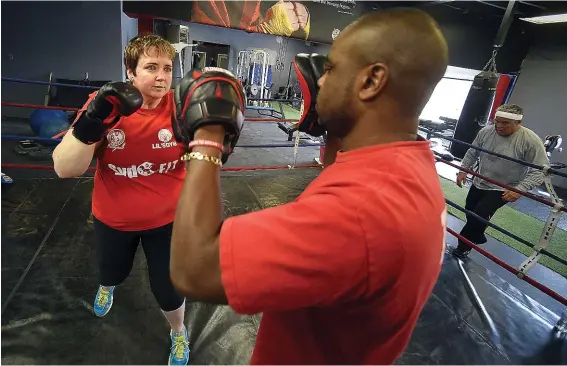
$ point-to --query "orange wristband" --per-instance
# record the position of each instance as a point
(207, 143)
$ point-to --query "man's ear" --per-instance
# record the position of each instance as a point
(374, 79)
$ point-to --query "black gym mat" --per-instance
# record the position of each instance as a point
(49, 283)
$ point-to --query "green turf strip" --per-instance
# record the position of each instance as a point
(516, 222)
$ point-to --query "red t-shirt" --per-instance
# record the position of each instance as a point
(342, 273)
(139, 172)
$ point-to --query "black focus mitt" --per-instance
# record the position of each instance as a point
(209, 96)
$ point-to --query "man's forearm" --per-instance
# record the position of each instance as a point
(198, 219)
(533, 179)
(199, 212)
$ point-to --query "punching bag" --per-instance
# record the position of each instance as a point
(475, 111)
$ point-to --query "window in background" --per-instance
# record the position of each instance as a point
(449, 96)
(447, 99)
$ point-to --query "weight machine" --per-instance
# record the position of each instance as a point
(255, 72)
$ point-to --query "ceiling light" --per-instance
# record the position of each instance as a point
(556, 18)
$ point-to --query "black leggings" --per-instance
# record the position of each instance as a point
(484, 203)
(116, 250)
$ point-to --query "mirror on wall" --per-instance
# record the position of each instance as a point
(211, 54)
(222, 61)
(199, 59)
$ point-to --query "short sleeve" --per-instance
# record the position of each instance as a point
(307, 253)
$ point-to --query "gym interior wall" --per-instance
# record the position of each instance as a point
(71, 40)
(129, 27)
(542, 87)
(240, 40)
(471, 39)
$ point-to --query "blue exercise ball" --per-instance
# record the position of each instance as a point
(44, 122)
(54, 127)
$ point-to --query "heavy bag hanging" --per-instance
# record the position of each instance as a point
(475, 111)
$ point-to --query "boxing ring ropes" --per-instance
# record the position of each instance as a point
(296, 145)
(539, 249)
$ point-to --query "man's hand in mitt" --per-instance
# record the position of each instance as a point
(209, 96)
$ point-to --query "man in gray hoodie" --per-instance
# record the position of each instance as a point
(508, 137)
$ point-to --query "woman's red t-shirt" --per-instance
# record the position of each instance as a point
(139, 171)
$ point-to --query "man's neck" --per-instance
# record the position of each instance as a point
(371, 132)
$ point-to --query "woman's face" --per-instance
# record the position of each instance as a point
(153, 75)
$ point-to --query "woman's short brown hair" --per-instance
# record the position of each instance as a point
(140, 45)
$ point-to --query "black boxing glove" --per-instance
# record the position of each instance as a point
(209, 96)
(309, 68)
(112, 101)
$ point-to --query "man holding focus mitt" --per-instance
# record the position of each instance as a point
(342, 273)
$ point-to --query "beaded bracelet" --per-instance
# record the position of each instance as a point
(207, 143)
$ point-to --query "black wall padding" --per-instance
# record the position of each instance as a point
(65, 96)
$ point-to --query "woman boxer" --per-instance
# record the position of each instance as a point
(127, 127)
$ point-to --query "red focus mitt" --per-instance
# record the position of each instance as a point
(309, 69)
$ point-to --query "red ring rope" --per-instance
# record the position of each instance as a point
(226, 169)
(61, 134)
(546, 290)
(505, 186)
(39, 106)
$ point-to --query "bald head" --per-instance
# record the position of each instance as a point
(409, 43)
(380, 73)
